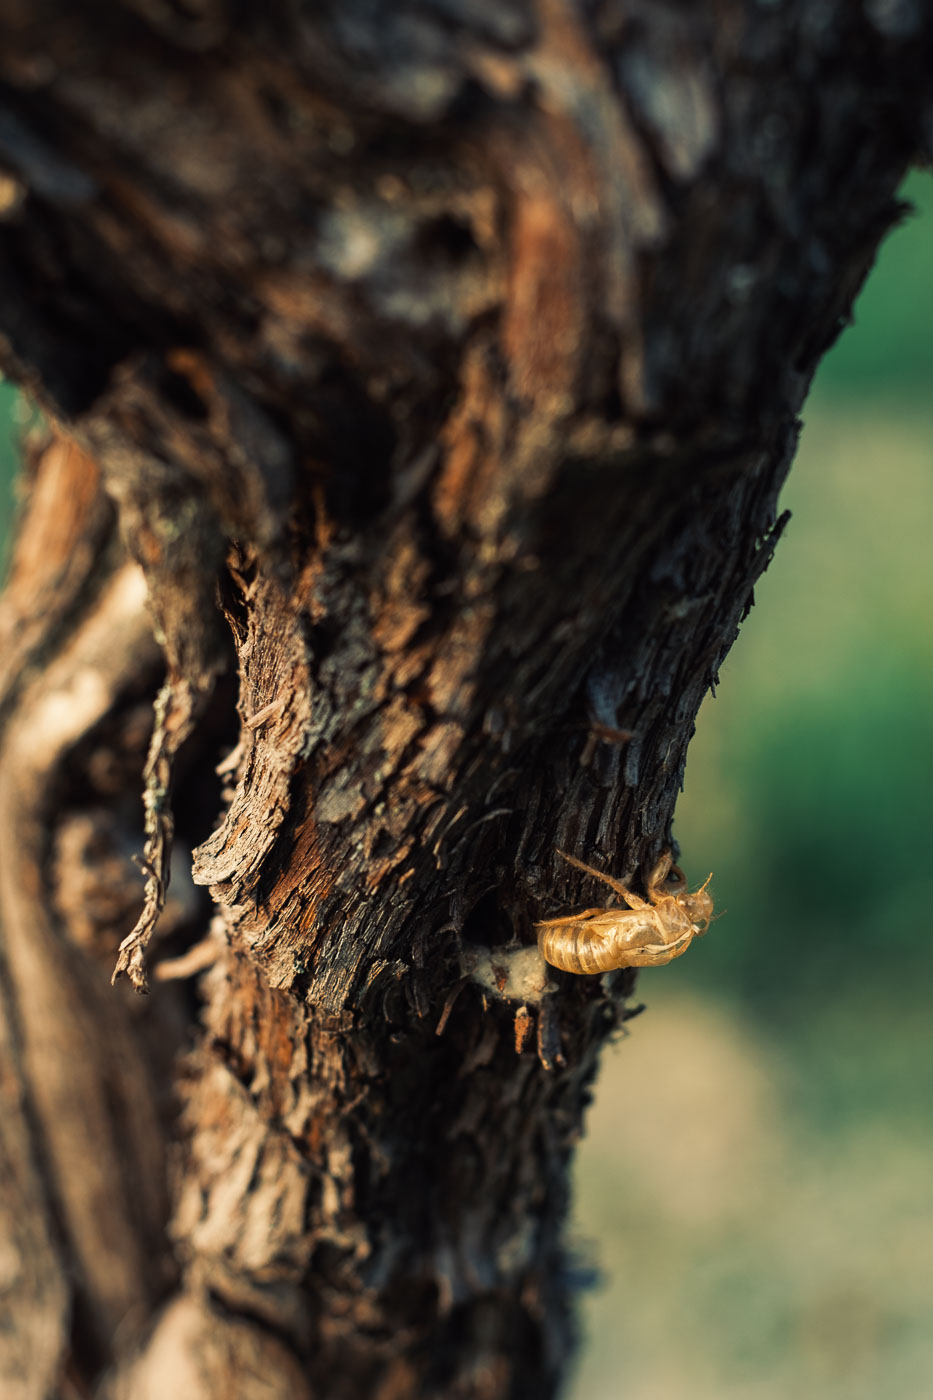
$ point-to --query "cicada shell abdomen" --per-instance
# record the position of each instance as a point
(596, 941)
(649, 933)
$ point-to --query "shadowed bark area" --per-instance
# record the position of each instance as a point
(424, 377)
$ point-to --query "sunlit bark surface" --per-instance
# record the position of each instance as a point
(423, 377)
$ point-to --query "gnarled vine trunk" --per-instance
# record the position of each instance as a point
(422, 377)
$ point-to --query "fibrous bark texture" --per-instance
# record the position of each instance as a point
(423, 377)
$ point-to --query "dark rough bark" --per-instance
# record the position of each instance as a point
(441, 363)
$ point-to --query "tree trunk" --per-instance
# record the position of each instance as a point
(423, 377)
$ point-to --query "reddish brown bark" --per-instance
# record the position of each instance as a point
(441, 364)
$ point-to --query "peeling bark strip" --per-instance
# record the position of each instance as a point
(440, 363)
(174, 722)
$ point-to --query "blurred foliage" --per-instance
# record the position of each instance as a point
(891, 354)
(808, 788)
(746, 1254)
(763, 1207)
(9, 428)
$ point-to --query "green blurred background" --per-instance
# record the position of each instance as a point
(756, 1184)
(757, 1171)
(9, 432)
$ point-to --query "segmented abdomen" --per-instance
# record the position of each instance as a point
(589, 946)
(580, 945)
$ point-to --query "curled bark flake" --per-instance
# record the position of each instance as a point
(550, 1051)
(524, 1024)
(275, 708)
(176, 708)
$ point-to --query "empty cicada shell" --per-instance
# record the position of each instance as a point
(649, 933)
